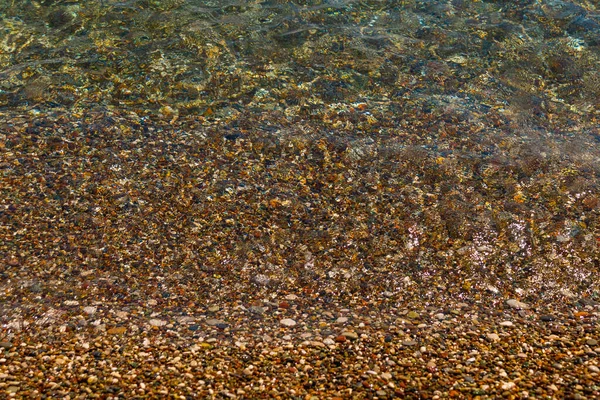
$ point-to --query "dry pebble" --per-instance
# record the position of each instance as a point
(288, 322)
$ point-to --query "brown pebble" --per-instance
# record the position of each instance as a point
(284, 304)
(340, 339)
(13, 261)
(119, 330)
(6, 345)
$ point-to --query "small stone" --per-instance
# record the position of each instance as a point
(215, 322)
(214, 309)
(386, 375)
(291, 297)
(92, 379)
(157, 322)
(508, 385)
(119, 330)
(340, 339)
(381, 393)
(6, 345)
(547, 318)
(493, 337)
(506, 323)
(89, 310)
(71, 303)
(350, 335)
(431, 366)
(409, 343)
(288, 322)
(439, 316)
(284, 304)
(341, 320)
(593, 369)
(12, 389)
(412, 315)
(589, 342)
(517, 304)
(329, 341)
(13, 261)
(257, 309)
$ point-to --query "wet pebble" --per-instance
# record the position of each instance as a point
(594, 369)
(547, 318)
(517, 304)
(506, 323)
(350, 335)
(89, 310)
(257, 309)
(412, 315)
(493, 337)
(288, 322)
(215, 322)
(119, 330)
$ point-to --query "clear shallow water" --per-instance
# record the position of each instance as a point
(197, 56)
(446, 140)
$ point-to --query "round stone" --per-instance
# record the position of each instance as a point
(340, 339)
(288, 322)
(506, 323)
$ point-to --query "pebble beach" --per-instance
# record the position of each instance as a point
(359, 206)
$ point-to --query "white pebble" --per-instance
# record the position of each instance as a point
(89, 310)
(493, 337)
(287, 322)
(517, 304)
